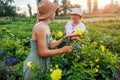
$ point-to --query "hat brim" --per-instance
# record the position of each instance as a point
(55, 7)
(75, 13)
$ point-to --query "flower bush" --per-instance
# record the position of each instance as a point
(54, 73)
(95, 57)
(88, 61)
(12, 55)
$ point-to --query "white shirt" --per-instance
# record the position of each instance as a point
(69, 28)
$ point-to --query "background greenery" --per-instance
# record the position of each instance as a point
(103, 28)
(15, 34)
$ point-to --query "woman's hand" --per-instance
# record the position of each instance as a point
(67, 49)
(71, 35)
(76, 38)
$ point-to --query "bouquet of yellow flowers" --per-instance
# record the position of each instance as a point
(70, 39)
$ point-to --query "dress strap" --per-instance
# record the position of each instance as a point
(36, 26)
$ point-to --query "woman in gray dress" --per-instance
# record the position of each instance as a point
(41, 41)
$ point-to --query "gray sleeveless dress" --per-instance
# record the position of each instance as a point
(36, 59)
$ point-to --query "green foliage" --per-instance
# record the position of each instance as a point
(87, 61)
(105, 33)
(12, 54)
(78, 65)
(62, 17)
(13, 46)
(5, 20)
(11, 72)
(6, 9)
(38, 74)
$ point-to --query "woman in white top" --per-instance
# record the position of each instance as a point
(75, 23)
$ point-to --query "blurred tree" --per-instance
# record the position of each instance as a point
(57, 11)
(65, 7)
(17, 8)
(38, 1)
(113, 7)
(56, 1)
(111, 1)
(76, 5)
(6, 9)
(30, 10)
(7, 1)
(95, 6)
(89, 5)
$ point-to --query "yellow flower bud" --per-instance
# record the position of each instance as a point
(29, 64)
(59, 34)
(98, 66)
(102, 48)
(78, 31)
(96, 70)
(56, 66)
(97, 60)
(50, 65)
(51, 70)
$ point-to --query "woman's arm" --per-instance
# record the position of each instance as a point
(55, 44)
(42, 48)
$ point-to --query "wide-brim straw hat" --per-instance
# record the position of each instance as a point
(46, 9)
(78, 11)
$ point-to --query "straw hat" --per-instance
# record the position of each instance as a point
(46, 9)
(78, 11)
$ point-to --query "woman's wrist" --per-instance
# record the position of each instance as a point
(61, 50)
